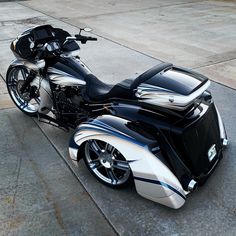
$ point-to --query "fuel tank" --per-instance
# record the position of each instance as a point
(68, 72)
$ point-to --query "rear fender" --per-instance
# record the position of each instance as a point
(153, 179)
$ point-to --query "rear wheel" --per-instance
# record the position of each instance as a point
(107, 164)
(27, 101)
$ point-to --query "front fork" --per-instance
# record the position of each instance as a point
(28, 80)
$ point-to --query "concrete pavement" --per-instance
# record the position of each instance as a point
(194, 33)
(38, 193)
(211, 210)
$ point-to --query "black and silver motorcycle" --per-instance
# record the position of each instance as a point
(161, 131)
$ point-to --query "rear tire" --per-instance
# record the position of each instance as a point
(14, 80)
(107, 164)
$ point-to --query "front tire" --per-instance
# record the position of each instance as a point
(27, 102)
(107, 164)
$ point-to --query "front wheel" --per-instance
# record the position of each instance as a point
(107, 164)
(27, 101)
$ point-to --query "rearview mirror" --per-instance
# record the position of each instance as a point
(87, 29)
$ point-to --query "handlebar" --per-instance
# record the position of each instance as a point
(53, 47)
(84, 39)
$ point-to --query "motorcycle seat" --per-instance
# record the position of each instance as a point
(98, 90)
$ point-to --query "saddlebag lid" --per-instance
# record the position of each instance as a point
(174, 88)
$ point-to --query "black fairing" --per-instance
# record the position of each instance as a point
(61, 35)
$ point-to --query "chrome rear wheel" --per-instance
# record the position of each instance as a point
(107, 164)
(27, 101)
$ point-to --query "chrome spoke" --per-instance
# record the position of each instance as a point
(23, 74)
(95, 147)
(13, 89)
(24, 105)
(113, 150)
(121, 165)
(105, 166)
(37, 100)
(106, 146)
(95, 164)
(12, 83)
(111, 175)
(109, 148)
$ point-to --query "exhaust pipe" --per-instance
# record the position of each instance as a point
(192, 185)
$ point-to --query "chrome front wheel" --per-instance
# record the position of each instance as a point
(107, 164)
(27, 101)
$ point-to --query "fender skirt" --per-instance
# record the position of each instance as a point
(153, 179)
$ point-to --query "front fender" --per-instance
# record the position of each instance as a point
(30, 65)
(153, 179)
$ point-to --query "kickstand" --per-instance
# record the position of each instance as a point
(53, 122)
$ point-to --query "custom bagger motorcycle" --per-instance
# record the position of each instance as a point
(161, 130)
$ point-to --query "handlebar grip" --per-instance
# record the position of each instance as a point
(84, 39)
(78, 36)
(92, 39)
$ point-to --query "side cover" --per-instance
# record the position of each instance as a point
(153, 179)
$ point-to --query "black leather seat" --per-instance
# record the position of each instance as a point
(98, 91)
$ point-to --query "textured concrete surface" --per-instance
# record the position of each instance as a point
(38, 193)
(5, 101)
(186, 32)
(209, 211)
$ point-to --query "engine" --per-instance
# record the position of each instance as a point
(68, 100)
(69, 104)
